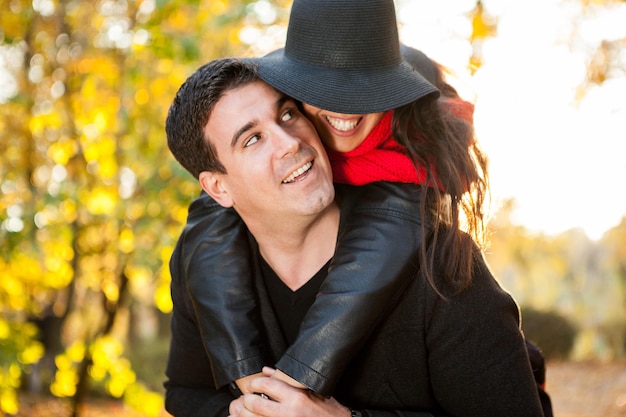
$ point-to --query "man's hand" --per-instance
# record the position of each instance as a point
(283, 401)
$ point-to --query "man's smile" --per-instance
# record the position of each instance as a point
(298, 172)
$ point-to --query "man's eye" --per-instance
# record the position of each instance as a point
(288, 115)
(253, 139)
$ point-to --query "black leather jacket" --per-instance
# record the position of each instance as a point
(426, 357)
(361, 285)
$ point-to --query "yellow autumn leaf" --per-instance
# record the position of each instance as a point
(8, 401)
(142, 97)
(111, 290)
(12, 285)
(98, 151)
(101, 201)
(135, 210)
(126, 242)
(178, 19)
(68, 212)
(163, 298)
(38, 124)
(59, 274)
(5, 330)
(159, 87)
(88, 88)
(483, 25)
(216, 7)
(165, 66)
(97, 372)
(76, 352)
(63, 362)
(106, 350)
(102, 120)
(116, 387)
(31, 354)
(64, 384)
(108, 167)
(144, 401)
(121, 377)
(179, 214)
(61, 152)
(61, 249)
(14, 375)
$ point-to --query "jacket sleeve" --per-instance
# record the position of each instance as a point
(189, 388)
(376, 243)
(214, 257)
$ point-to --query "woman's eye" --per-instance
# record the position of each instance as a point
(288, 115)
(253, 139)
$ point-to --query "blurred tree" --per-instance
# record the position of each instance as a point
(566, 275)
(530, 265)
(615, 242)
(92, 201)
(553, 333)
(606, 58)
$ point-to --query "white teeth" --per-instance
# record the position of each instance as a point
(295, 174)
(342, 125)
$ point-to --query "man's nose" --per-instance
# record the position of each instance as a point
(285, 143)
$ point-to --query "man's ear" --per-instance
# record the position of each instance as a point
(212, 184)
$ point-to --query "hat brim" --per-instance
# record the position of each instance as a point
(348, 91)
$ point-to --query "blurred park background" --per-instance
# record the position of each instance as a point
(92, 202)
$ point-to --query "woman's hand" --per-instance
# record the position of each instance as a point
(283, 400)
(242, 383)
(281, 376)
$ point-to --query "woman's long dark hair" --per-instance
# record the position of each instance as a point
(439, 135)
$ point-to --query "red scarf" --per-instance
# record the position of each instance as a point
(378, 158)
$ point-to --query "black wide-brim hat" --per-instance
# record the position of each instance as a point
(344, 56)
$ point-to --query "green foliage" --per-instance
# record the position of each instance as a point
(92, 201)
(149, 359)
(19, 349)
(553, 333)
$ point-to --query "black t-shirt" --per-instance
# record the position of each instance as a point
(291, 306)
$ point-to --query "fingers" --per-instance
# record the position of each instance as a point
(242, 383)
(255, 405)
(235, 407)
(275, 388)
(267, 371)
(267, 387)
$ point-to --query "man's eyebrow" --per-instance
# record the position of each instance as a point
(241, 131)
(280, 102)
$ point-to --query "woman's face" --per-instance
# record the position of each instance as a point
(341, 132)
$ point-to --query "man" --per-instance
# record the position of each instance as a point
(295, 186)
(253, 150)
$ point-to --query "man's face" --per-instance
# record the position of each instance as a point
(275, 162)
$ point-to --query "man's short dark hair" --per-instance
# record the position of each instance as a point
(190, 110)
